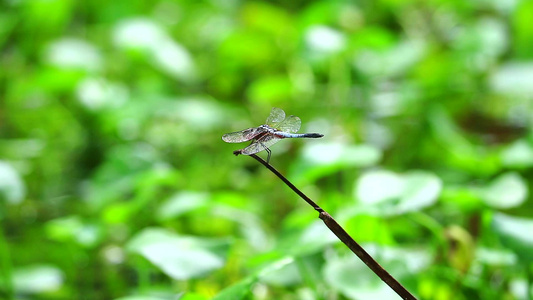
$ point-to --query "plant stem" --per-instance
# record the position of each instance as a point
(6, 280)
(344, 237)
(529, 275)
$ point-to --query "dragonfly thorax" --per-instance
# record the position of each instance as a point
(268, 128)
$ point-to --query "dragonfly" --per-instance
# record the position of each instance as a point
(276, 128)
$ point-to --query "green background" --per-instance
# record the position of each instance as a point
(115, 183)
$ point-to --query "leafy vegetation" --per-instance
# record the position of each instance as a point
(115, 183)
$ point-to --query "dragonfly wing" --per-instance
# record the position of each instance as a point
(291, 124)
(276, 116)
(242, 136)
(260, 145)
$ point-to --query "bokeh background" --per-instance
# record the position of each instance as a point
(115, 183)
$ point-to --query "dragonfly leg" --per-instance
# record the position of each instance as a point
(267, 150)
(268, 157)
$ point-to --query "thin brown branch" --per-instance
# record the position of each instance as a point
(345, 237)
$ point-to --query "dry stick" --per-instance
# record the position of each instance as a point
(344, 237)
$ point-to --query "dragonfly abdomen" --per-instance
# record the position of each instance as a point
(282, 134)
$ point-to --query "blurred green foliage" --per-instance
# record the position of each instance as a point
(115, 184)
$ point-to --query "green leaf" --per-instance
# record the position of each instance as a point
(69, 53)
(12, 187)
(180, 257)
(268, 18)
(495, 257)
(37, 279)
(513, 78)
(313, 239)
(324, 40)
(523, 30)
(181, 203)
(137, 298)
(237, 291)
(322, 159)
(506, 191)
(167, 55)
(355, 280)
(249, 225)
(383, 192)
(73, 229)
(327, 154)
(285, 273)
(242, 289)
(515, 234)
(155, 295)
(466, 198)
(518, 154)
(370, 187)
(271, 89)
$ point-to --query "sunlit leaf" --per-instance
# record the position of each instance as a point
(175, 60)
(420, 190)
(181, 203)
(313, 239)
(284, 265)
(242, 289)
(325, 40)
(97, 93)
(180, 257)
(495, 257)
(75, 54)
(370, 187)
(199, 113)
(507, 190)
(138, 33)
(37, 279)
(483, 42)
(73, 229)
(335, 153)
(385, 192)
(284, 273)
(355, 280)
(518, 154)
(249, 225)
(520, 288)
(167, 54)
(394, 61)
(514, 78)
(515, 233)
(137, 298)
(321, 159)
(158, 296)
(12, 187)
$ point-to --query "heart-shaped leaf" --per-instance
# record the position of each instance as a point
(180, 257)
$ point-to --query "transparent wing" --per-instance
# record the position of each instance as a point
(260, 145)
(242, 136)
(276, 116)
(291, 124)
